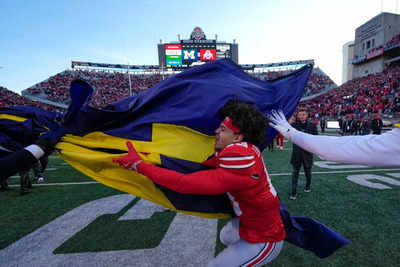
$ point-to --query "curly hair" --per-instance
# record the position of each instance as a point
(252, 123)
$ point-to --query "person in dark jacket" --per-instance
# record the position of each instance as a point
(347, 125)
(377, 124)
(300, 156)
(322, 123)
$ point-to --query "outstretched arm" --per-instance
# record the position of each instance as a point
(371, 150)
(209, 182)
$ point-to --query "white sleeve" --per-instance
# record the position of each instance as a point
(35, 150)
(371, 150)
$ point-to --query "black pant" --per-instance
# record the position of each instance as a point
(295, 178)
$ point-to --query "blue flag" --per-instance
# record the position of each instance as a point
(172, 125)
(311, 235)
(21, 126)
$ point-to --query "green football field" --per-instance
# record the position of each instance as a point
(71, 220)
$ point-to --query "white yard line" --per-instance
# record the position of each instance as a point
(271, 174)
(51, 184)
(335, 172)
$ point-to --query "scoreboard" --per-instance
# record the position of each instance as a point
(194, 51)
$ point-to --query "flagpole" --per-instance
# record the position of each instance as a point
(130, 84)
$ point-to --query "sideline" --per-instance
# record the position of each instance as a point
(271, 174)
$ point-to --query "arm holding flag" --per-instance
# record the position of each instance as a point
(211, 182)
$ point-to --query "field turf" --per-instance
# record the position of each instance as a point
(367, 216)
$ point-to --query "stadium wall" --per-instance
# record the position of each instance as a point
(348, 54)
(369, 39)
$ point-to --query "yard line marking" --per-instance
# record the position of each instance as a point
(50, 184)
(335, 172)
(271, 174)
(47, 169)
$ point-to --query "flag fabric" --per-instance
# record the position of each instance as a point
(310, 234)
(21, 126)
(172, 125)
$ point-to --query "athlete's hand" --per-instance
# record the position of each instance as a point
(130, 161)
(279, 122)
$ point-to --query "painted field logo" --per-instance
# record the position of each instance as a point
(367, 180)
(107, 232)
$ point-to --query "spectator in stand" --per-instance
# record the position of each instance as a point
(110, 86)
(365, 126)
(377, 124)
(9, 98)
(347, 125)
(396, 103)
(361, 96)
(317, 82)
(322, 123)
(357, 126)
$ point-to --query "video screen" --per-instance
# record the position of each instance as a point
(185, 55)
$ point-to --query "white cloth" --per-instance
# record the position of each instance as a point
(371, 150)
(35, 150)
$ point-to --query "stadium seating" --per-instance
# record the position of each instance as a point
(318, 81)
(109, 86)
(359, 97)
(393, 42)
(375, 93)
(8, 98)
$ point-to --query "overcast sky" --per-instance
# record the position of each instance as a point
(40, 38)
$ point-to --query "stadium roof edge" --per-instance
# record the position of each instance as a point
(157, 67)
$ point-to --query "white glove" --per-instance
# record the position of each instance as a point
(279, 122)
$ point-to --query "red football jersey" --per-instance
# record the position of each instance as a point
(240, 172)
(256, 204)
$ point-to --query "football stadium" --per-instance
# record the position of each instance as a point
(80, 209)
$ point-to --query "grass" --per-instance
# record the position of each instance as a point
(370, 218)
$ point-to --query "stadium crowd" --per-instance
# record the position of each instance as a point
(379, 50)
(373, 94)
(8, 98)
(317, 82)
(113, 86)
(376, 93)
(393, 42)
(108, 86)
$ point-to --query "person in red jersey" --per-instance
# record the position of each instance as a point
(255, 237)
